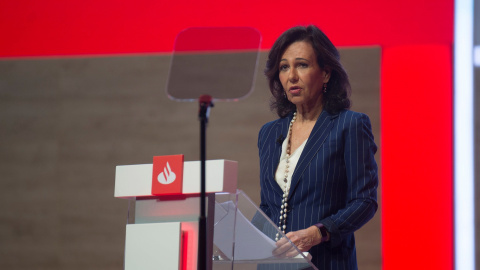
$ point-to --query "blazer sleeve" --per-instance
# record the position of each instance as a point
(362, 180)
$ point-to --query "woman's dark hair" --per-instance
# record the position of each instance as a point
(338, 87)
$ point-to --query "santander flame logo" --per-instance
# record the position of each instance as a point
(167, 176)
(166, 181)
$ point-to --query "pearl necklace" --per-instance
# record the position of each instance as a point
(283, 209)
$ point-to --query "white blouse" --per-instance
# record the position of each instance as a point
(293, 160)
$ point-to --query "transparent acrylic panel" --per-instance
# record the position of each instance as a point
(131, 210)
(244, 238)
(168, 209)
(216, 61)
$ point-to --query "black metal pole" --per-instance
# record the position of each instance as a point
(205, 104)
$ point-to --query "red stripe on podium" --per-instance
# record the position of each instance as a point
(184, 252)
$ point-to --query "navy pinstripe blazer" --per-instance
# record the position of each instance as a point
(334, 183)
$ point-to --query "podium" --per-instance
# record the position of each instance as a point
(162, 231)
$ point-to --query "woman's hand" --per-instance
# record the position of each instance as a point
(303, 239)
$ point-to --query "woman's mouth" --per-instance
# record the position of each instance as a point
(295, 90)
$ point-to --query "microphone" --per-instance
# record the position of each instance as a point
(280, 139)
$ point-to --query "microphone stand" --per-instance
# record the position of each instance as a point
(205, 102)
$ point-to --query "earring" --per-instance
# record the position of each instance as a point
(284, 95)
(324, 88)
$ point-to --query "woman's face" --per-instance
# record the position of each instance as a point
(301, 77)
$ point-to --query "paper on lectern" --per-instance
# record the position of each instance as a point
(250, 242)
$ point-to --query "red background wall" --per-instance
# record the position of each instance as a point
(54, 27)
(416, 83)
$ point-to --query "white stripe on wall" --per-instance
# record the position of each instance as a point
(463, 136)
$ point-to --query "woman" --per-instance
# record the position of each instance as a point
(318, 174)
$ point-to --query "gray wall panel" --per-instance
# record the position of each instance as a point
(67, 122)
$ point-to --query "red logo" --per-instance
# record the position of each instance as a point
(167, 178)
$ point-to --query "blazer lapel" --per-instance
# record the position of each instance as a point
(317, 137)
(280, 130)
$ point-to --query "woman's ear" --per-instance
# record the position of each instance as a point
(326, 74)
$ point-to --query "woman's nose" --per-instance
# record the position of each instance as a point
(293, 76)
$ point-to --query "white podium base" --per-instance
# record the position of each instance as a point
(153, 246)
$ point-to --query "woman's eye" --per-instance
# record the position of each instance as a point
(283, 67)
(303, 65)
